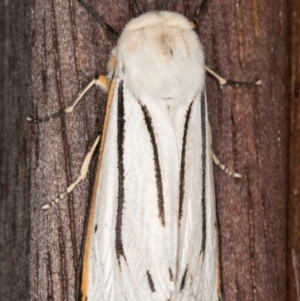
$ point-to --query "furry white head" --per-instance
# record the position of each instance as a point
(161, 59)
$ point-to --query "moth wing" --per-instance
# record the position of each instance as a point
(98, 275)
(130, 251)
(198, 247)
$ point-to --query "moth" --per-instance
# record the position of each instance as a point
(152, 229)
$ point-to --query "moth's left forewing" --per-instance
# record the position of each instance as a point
(92, 287)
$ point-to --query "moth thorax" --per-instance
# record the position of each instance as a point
(160, 56)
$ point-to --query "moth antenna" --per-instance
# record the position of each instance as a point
(223, 81)
(137, 7)
(168, 5)
(100, 20)
(201, 10)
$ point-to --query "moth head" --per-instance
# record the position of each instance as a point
(160, 56)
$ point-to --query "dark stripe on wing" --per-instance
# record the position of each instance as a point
(150, 281)
(182, 284)
(121, 196)
(159, 184)
(170, 274)
(182, 164)
(203, 165)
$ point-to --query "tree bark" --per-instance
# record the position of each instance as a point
(52, 49)
(244, 41)
(293, 252)
(16, 40)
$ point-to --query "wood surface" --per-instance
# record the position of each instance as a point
(52, 49)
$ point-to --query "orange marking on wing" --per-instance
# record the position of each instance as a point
(85, 266)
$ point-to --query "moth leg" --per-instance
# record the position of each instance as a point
(222, 81)
(82, 175)
(100, 80)
(224, 167)
(219, 164)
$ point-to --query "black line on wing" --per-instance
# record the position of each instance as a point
(182, 284)
(159, 184)
(150, 281)
(121, 196)
(182, 164)
(170, 274)
(203, 161)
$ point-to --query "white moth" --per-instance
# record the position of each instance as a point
(152, 230)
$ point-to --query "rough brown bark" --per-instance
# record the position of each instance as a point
(54, 49)
(293, 252)
(246, 40)
(14, 97)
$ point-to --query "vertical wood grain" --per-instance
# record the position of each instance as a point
(52, 49)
